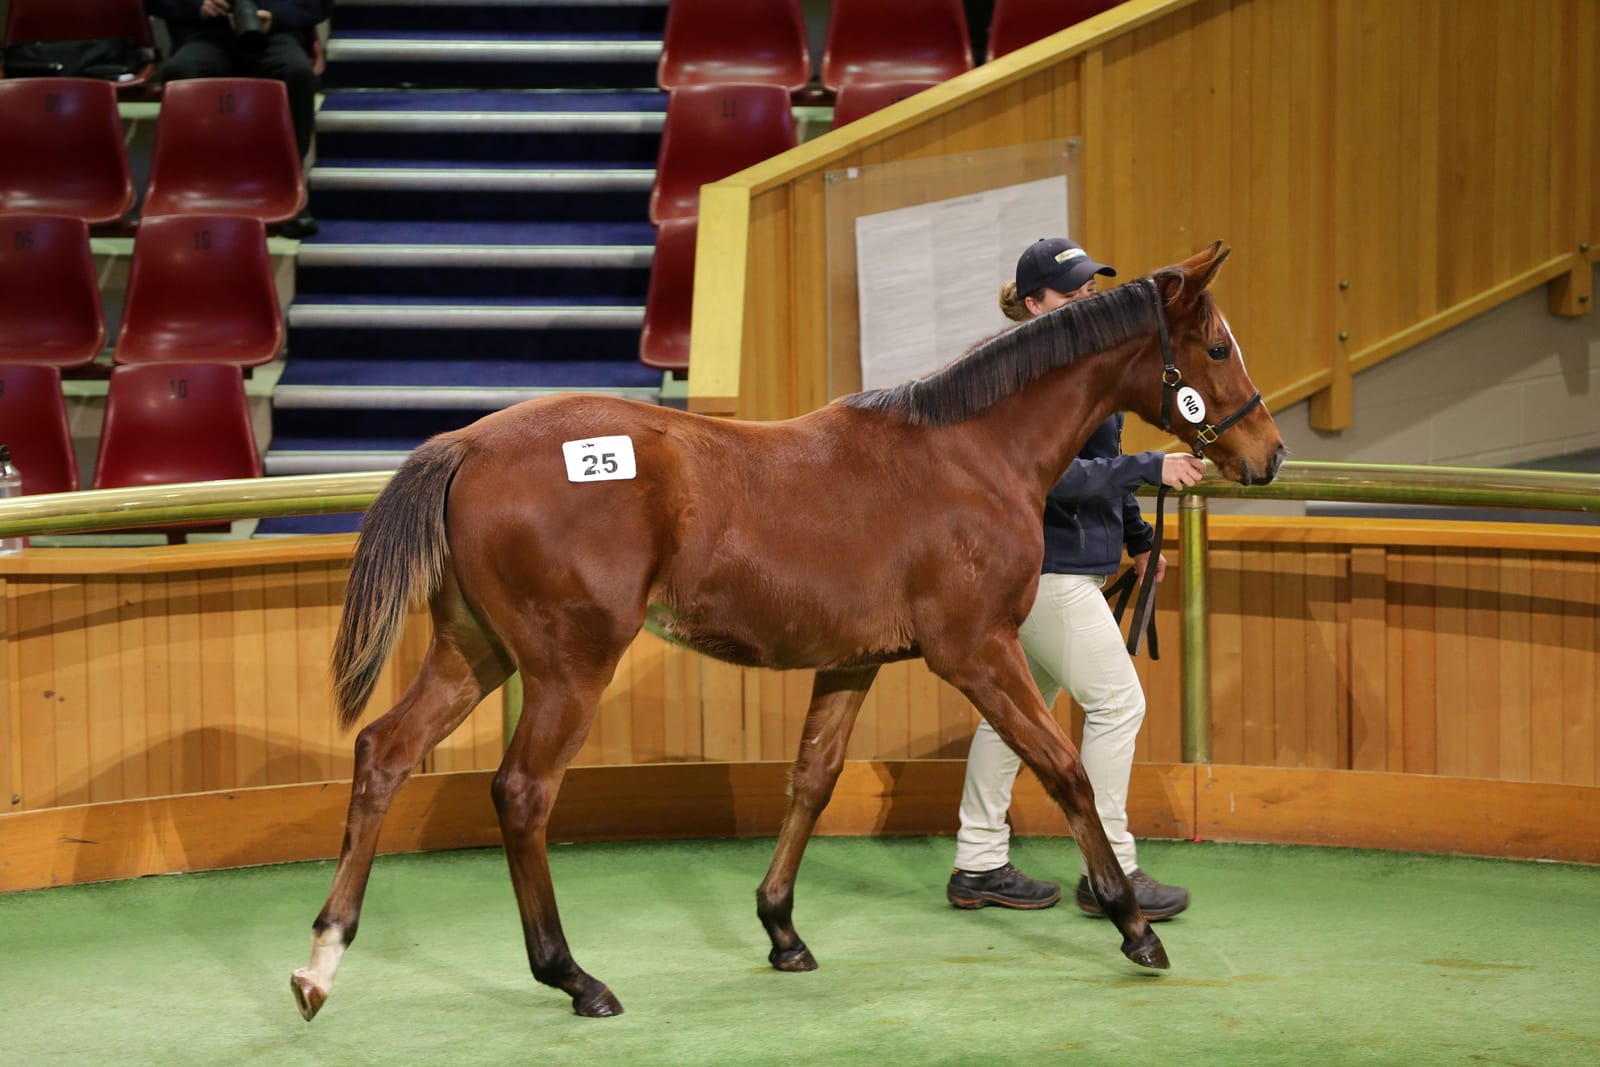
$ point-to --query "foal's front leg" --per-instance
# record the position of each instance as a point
(997, 681)
(836, 697)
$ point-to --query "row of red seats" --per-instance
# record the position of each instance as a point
(84, 20)
(200, 287)
(867, 40)
(712, 131)
(164, 423)
(223, 146)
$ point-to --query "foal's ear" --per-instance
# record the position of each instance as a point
(1202, 266)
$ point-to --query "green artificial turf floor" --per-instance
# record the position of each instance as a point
(1288, 956)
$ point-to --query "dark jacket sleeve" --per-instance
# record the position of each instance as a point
(1136, 533)
(1108, 478)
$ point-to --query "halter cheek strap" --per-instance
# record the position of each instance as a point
(1171, 378)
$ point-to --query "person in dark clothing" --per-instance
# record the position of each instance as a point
(204, 45)
(1070, 637)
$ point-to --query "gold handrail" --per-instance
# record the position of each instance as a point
(326, 494)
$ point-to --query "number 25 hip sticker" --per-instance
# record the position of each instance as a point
(1191, 405)
(599, 459)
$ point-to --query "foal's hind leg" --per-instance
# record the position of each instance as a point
(558, 706)
(836, 697)
(461, 666)
(996, 680)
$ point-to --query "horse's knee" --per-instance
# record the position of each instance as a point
(521, 799)
(811, 785)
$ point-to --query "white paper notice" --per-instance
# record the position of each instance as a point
(928, 275)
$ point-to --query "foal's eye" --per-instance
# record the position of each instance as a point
(1218, 353)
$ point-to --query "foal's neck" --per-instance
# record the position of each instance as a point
(1043, 427)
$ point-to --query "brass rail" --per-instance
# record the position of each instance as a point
(322, 494)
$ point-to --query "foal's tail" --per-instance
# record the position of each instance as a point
(399, 562)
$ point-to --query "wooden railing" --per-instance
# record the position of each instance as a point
(1383, 171)
(1423, 647)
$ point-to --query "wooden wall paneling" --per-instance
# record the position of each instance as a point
(102, 699)
(219, 724)
(1288, 670)
(35, 678)
(1514, 650)
(722, 708)
(894, 712)
(681, 704)
(1417, 662)
(649, 694)
(184, 626)
(927, 726)
(311, 677)
(1547, 725)
(1327, 657)
(1399, 811)
(1394, 655)
(1581, 30)
(1451, 694)
(10, 711)
(1368, 660)
(66, 698)
(957, 720)
(1223, 589)
(160, 725)
(128, 684)
(613, 725)
(1258, 646)
(808, 243)
(1579, 653)
(1481, 667)
(281, 690)
(249, 668)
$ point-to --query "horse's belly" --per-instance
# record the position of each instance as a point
(791, 648)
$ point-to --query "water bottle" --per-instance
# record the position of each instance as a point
(10, 485)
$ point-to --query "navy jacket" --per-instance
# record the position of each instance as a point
(288, 16)
(1091, 514)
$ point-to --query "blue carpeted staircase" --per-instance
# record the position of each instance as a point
(482, 178)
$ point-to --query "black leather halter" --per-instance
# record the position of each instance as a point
(1171, 378)
(1205, 434)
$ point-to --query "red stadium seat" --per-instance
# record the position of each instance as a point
(752, 41)
(859, 99)
(63, 150)
(895, 40)
(664, 342)
(33, 425)
(176, 422)
(200, 290)
(712, 131)
(225, 146)
(49, 295)
(1021, 22)
(85, 20)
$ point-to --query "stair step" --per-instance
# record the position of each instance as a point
(461, 317)
(479, 179)
(391, 58)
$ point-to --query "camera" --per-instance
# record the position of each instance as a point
(247, 24)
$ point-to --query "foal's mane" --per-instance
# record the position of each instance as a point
(994, 369)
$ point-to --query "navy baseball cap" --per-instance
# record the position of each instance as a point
(1056, 263)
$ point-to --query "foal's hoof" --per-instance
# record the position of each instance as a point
(1147, 952)
(797, 959)
(308, 996)
(597, 1005)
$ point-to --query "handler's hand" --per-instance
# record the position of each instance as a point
(214, 9)
(1142, 560)
(1181, 470)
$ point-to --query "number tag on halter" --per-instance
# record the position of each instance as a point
(1191, 405)
(599, 459)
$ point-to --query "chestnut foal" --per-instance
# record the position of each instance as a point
(889, 524)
